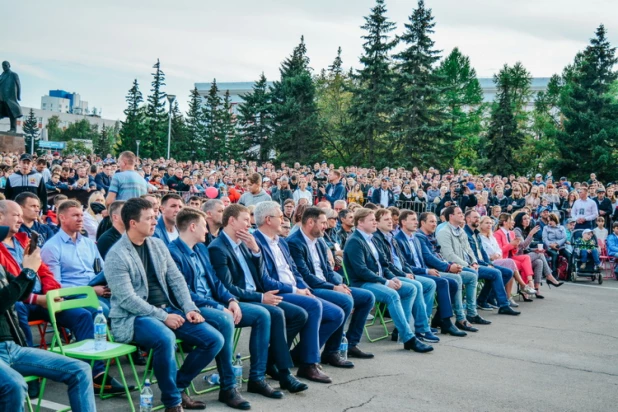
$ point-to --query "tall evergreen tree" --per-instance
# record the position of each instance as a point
(234, 143)
(297, 136)
(463, 99)
(589, 142)
(196, 128)
(180, 146)
(255, 119)
(157, 118)
(419, 129)
(546, 122)
(105, 140)
(212, 120)
(31, 132)
(334, 99)
(371, 107)
(133, 128)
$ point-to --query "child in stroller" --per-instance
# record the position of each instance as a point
(586, 256)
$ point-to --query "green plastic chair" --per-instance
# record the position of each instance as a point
(29, 379)
(85, 297)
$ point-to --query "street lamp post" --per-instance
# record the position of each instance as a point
(170, 98)
(138, 142)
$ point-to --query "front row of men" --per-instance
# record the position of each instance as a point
(282, 289)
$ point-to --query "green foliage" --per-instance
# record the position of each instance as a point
(212, 119)
(235, 145)
(298, 134)
(157, 118)
(106, 139)
(134, 126)
(255, 119)
(196, 129)
(54, 132)
(76, 148)
(81, 129)
(371, 107)
(31, 131)
(180, 145)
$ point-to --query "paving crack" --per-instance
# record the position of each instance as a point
(361, 405)
(361, 379)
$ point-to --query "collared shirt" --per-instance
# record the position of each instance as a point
(396, 260)
(17, 251)
(72, 263)
(417, 262)
(315, 257)
(283, 268)
(384, 197)
(249, 282)
(373, 249)
(202, 288)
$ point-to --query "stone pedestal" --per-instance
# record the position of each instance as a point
(12, 142)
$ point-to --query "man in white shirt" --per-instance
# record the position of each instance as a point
(585, 210)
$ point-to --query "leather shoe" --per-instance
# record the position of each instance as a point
(264, 389)
(188, 403)
(291, 384)
(311, 372)
(465, 325)
(355, 352)
(478, 320)
(112, 386)
(506, 310)
(232, 398)
(417, 346)
(395, 335)
(335, 359)
(449, 329)
(177, 408)
(273, 371)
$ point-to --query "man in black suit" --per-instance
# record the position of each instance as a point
(383, 196)
(369, 269)
(237, 261)
(310, 255)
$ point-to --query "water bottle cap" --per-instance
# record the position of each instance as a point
(238, 356)
(147, 382)
(100, 309)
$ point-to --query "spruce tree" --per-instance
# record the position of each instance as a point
(255, 119)
(31, 132)
(371, 107)
(589, 141)
(196, 127)
(133, 128)
(234, 142)
(157, 117)
(180, 147)
(297, 136)
(419, 130)
(212, 119)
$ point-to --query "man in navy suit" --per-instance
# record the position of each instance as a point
(324, 317)
(166, 225)
(237, 261)
(309, 252)
(334, 190)
(368, 268)
(218, 306)
(446, 288)
(383, 196)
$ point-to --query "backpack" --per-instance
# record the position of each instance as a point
(563, 268)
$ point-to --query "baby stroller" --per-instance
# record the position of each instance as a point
(590, 270)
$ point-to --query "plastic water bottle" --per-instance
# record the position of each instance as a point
(145, 398)
(238, 372)
(100, 331)
(343, 348)
(213, 379)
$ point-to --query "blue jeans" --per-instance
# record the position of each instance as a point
(16, 361)
(446, 289)
(399, 303)
(595, 256)
(151, 333)
(419, 310)
(429, 293)
(469, 278)
(363, 303)
(224, 323)
(495, 278)
(105, 304)
(343, 301)
(79, 321)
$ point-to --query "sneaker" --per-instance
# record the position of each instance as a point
(513, 303)
(529, 290)
(427, 337)
(582, 266)
(484, 306)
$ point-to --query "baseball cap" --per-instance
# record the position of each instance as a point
(25, 156)
(56, 154)
(587, 231)
(571, 220)
(539, 175)
(600, 190)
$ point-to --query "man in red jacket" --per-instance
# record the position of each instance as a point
(34, 307)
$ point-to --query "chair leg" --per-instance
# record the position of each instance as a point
(378, 315)
(124, 382)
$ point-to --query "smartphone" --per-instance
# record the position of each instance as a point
(34, 242)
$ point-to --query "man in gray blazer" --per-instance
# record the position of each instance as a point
(152, 307)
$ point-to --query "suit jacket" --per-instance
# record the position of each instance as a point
(508, 250)
(228, 270)
(299, 249)
(161, 232)
(271, 265)
(102, 181)
(404, 248)
(431, 258)
(361, 266)
(339, 193)
(127, 280)
(473, 239)
(182, 256)
(377, 194)
(382, 242)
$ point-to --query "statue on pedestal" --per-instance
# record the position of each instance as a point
(10, 94)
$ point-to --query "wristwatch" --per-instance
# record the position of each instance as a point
(30, 274)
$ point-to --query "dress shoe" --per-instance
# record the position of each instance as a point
(336, 360)
(465, 325)
(273, 371)
(112, 386)
(232, 398)
(395, 335)
(291, 384)
(311, 372)
(188, 403)
(434, 330)
(478, 320)
(506, 310)
(355, 352)
(449, 329)
(435, 323)
(264, 389)
(177, 408)
(417, 346)
(484, 306)
(427, 337)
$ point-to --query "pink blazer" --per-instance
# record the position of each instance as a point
(507, 249)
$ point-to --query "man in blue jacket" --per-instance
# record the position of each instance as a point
(335, 189)
(237, 261)
(324, 317)
(383, 196)
(309, 252)
(166, 225)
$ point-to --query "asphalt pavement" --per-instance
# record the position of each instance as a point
(560, 354)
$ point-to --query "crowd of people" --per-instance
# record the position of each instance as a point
(299, 254)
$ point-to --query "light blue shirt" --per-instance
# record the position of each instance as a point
(396, 261)
(417, 262)
(250, 283)
(127, 185)
(71, 262)
(373, 249)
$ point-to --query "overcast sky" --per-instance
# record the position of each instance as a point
(97, 50)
